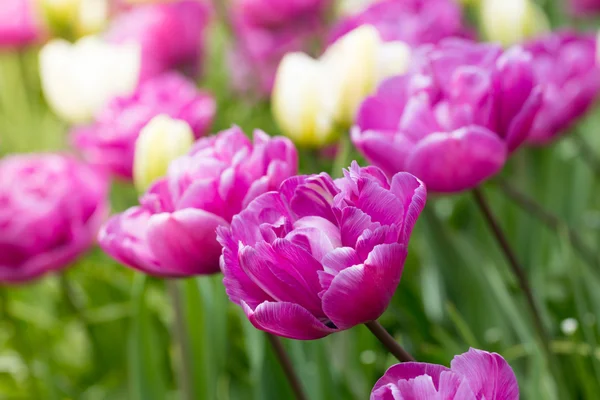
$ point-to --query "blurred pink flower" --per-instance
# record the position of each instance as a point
(584, 8)
(473, 375)
(110, 141)
(414, 22)
(319, 255)
(453, 120)
(51, 207)
(19, 24)
(565, 66)
(171, 35)
(173, 231)
(265, 31)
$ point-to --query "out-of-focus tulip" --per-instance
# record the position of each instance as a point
(172, 232)
(80, 79)
(473, 375)
(584, 8)
(511, 21)
(314, 100)
(51, 207)
(266, 30)
(75, 18)
(319, 255)
(110, 141)
(453, 121)
(161, 141)
(19, 25)
(171, 35)
(565, 66)
(414, 22)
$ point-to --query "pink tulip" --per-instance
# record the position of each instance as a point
(172, 232)
(474, 375)
(51, 207)
(319, 256)
(19, 26)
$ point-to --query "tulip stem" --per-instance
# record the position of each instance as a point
(288, 367)
(182, 340)
(550, 220)
(514, 264)
(389, 342)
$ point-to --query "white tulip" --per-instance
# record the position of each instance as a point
(161, 141)
(511, 21)
(315, 100)
(79, 79)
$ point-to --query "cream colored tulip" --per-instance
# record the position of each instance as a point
(315, 100)
(75, 18)
(79, 79)
(302, 101)
(161, 141)
(511, 21)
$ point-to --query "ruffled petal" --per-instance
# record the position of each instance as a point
(185, 242)
(413, 195)
(361, 293)
(488, 374)
(288, 320)
(457, 161)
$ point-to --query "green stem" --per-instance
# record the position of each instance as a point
(182, 339)
(389, 342)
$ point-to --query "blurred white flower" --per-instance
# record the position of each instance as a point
(569, 326)
(75, 18)
(79, 79)
(314, 99)
(161, 141)
(511, 21)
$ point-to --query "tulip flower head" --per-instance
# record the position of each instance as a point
(81, 78)
(565, 65)
(19, 25)
(512, 21)
(162, 140)
(314, 100)
(110, 141)
(51, 207)
(319, 256)
(172, 232)
(414, 22)
(473, 375)
(170, 35)
(455, 118)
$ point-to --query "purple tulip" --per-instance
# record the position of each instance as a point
(110, 141)
(51, 207)
(474, 375)
(18, 23)
(319, 255)
(265, 31)
(455, 118)
(172, 232)
(565, 66)
(584, 8)
(171, 35)
(414, 22)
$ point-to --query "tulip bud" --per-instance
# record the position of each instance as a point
(161, 141)
(79, 79)
(75, 18)
(301, 100)
(511, 21)
(315, 100)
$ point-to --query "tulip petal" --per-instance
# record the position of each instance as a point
(288, 320)
(413, 195)
(186, 241)
(386, 149)
(353, 223)
(488, 374)
(361, 293)
(459, 160)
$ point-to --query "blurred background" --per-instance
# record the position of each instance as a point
(98, 330)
